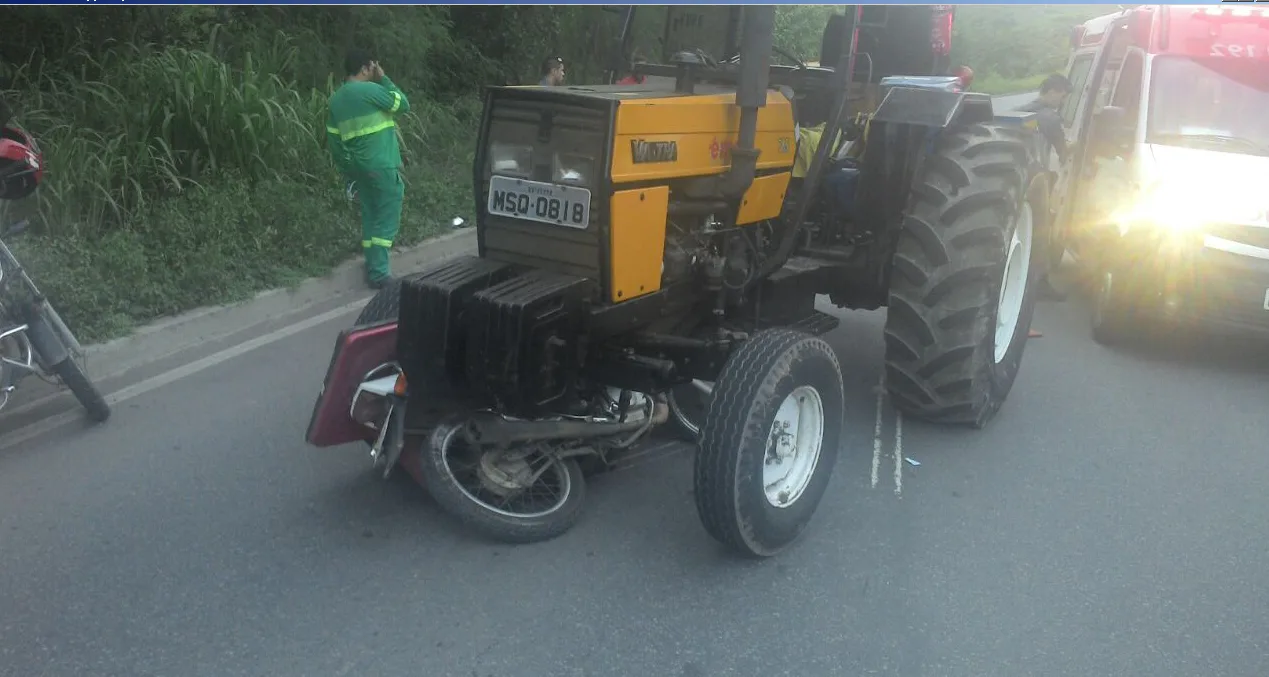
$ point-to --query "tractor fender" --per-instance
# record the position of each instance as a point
(940, 109)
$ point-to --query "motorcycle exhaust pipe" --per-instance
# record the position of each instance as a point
(485, 429)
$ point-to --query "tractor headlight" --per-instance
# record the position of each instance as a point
(576, 169)
(509, 158)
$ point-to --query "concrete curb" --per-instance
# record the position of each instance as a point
(111, 364)
(171, 335)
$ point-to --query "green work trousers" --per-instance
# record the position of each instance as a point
(381, 193)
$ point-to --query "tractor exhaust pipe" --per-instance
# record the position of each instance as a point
(751, 94)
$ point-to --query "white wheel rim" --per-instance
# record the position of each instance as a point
(1013, 286)
(566, 485)
(793, 448)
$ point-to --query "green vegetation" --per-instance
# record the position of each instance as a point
(184, 146)
(1012, 48)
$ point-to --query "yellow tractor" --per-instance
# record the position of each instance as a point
(652, 254)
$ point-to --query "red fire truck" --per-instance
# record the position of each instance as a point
(1163, 200)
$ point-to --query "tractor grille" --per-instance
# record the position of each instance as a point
(549, 126)
(430, 329)
(523, 342)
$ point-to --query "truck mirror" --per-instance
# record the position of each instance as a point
(1111, 131)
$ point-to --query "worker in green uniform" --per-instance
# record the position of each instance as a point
(362, 135)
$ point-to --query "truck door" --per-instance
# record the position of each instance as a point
(1106, 181)
(1077, 71)
(1086, 72)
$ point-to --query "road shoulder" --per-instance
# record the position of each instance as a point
(171, 342)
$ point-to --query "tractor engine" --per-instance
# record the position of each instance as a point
(588, 200)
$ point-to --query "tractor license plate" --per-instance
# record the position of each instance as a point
(542, 202)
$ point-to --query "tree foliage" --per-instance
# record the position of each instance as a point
(1017, 42)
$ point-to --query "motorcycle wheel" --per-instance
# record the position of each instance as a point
(71, 374)
(688, 404)
(479, 488)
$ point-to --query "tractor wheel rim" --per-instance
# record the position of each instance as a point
(793, 447)
(1014, 283)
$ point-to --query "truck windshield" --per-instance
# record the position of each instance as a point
(1210, 103)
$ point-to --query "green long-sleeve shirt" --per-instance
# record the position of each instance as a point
(361, 126)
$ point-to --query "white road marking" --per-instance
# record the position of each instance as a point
(898, 453)
(876, 429)
(142, 387)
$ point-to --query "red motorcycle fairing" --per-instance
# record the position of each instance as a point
(358, 350)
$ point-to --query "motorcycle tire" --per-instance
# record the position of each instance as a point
(456, 497)
(71, 374)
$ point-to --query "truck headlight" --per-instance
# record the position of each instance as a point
(509, 158)
(1185, 209)
(570, 168)
(1174, 210)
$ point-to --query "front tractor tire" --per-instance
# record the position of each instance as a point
(962, 290)
(769, 441)
(383, 306)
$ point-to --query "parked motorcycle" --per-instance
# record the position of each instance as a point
(33, 338)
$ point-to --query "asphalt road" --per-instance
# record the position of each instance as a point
(1109, 522)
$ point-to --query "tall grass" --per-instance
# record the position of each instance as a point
(159, 121)
(175, 178)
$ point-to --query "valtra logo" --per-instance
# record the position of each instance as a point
(721, 150)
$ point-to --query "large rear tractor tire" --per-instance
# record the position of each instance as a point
(769, 441)
(962, 290)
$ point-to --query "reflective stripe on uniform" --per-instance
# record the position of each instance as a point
(396, 102)
(364, 125)
(332, 130)
(365, 244)
(379, 242)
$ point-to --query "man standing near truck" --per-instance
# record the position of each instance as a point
(1053, 93)
(552, 72)
(362, 135)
